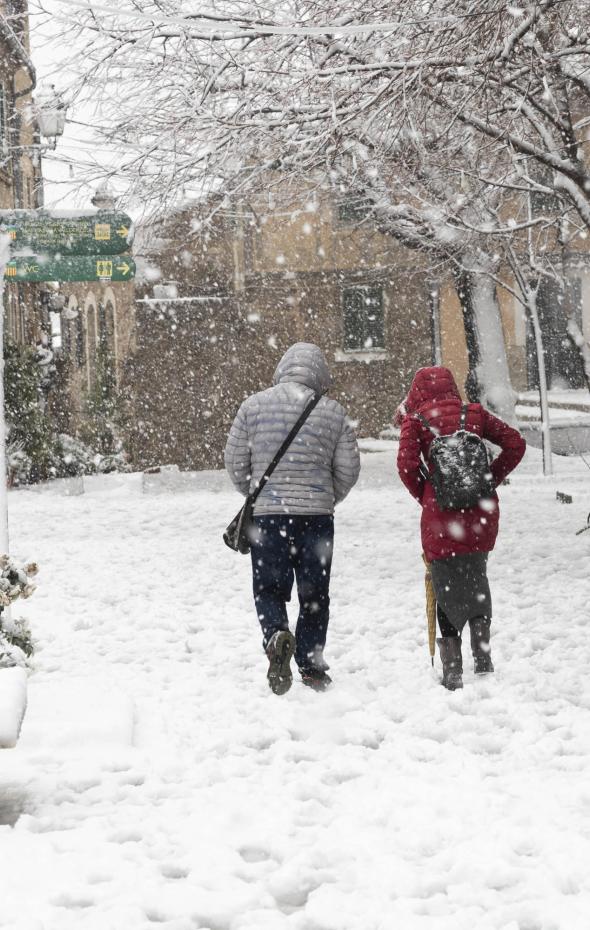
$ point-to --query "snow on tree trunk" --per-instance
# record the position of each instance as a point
(577, 337)
(4, 257)
(492, 372)
(531, 308)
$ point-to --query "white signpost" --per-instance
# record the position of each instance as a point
(13, 681)
(4, 259)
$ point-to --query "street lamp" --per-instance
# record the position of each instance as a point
(50, 110)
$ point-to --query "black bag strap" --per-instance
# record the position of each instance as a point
(425, 423)
(423, 470)
(462, 420)
(284, 446)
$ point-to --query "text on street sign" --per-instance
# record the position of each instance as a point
(36, 268)
(97, 233)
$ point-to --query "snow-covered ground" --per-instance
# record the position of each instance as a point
(159, 784)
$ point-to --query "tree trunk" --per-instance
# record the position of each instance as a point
(488, 380)
(463, 288)
(533, 315)
(577, 337)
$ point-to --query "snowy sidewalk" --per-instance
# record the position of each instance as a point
(159, 784)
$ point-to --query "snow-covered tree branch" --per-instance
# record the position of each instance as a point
(438, 117)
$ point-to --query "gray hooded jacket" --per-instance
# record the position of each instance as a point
(322, 463)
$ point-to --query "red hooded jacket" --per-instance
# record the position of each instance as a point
(445, 533)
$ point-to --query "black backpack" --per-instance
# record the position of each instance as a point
(460, 473)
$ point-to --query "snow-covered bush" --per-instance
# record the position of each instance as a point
(79, 459)
(70, 457)
(31, 443)
(35, 452)
(101, 408)
(16, 642)
(76, 457)
(18, 463)
(15, 580)
(113, 461)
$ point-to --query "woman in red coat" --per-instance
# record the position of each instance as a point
(455, 542)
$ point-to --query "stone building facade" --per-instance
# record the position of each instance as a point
(92, 341)
(230, 299)
(20, 168)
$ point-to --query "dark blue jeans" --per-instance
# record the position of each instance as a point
(285, 548)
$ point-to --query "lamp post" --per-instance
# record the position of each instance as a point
(4, 255)
(50, 111)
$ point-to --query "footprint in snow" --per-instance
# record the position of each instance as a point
(254, 854)
(70, 899)
(174, 870)
(126, 836)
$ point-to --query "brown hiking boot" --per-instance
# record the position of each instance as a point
(280, 651)
(452, 662)
(480, 645)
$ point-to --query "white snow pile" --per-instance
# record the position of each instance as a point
(159, 784)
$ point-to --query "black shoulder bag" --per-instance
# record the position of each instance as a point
(238, 534)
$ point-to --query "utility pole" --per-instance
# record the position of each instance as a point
(4, 541)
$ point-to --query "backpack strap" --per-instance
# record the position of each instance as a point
(425, 423)
(424, 473)
(463, 420)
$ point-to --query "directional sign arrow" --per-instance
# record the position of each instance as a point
(31, 268)
(99, 233)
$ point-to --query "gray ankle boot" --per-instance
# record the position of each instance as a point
(452, 662)
(480, 645)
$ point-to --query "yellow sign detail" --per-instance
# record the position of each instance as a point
(104, 269)
(123, 231)
(102, 231)
(10, 271)
(124, 268)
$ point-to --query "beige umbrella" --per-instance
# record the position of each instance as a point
(430, 609)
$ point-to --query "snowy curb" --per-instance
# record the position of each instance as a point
(13, 704)
(169, 479)
(68, 487)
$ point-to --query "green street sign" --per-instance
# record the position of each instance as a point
(99, 233)
(32, 268)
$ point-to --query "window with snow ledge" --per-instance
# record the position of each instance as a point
(363, 321)
(352, 210)
(369, 355)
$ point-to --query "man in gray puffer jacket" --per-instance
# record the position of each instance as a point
(293, 515)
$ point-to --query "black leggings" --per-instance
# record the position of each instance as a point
(446, 627)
